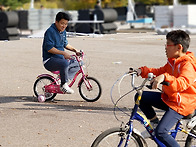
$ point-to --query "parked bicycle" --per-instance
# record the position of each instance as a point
(49, 85)
(127, 135)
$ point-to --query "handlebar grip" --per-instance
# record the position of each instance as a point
(163, 83)
(130, 68)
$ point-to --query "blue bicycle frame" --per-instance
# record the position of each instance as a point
(143, 120)
(135, 115)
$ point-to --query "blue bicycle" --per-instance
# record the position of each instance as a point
(126, 135)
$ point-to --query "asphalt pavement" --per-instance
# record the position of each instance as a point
(70, 121)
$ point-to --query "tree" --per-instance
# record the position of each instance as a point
(151, 2)
(85, 4)
(89, 4)
(188, 1)
(165, 2)
(13, 4)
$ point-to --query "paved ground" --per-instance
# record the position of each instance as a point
(70, 121)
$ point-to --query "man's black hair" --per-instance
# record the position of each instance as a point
(179, 37)
(62, 15)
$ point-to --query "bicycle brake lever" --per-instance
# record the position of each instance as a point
(131, 70)
(149, 86)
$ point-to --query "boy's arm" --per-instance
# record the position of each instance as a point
(71, 48)
(56, 51)
(187, 76)
(156, 71)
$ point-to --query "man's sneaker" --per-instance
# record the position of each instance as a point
(145, 133)
(66, 89)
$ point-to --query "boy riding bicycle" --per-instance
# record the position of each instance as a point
(54, 56)
(179, 98)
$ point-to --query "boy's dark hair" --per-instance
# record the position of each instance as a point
(62, 15)
(179, 37)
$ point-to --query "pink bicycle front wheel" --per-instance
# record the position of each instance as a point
(90, 89)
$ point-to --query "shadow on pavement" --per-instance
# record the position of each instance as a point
(64, 105)
(56, 105)
(10, 99)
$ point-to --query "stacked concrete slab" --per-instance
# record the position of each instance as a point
(163, 16)
(175, 17)
(35, 19)
(184, 16)
(45, 18)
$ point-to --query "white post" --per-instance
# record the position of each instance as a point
(131, 10)
(32, 4)
(175, 2)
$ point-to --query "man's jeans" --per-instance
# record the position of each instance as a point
(67, 68)
(169, 119)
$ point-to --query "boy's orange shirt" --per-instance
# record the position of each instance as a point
(180, 95)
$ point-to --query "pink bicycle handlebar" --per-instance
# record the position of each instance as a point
(80, 57)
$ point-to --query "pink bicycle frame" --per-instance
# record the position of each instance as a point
(54, 87)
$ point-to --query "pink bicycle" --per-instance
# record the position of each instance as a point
(48, 85)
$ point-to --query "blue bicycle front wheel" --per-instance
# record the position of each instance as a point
(191, 141)
(117, 137)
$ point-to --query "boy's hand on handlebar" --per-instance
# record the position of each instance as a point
(137, 70)
(157, 80)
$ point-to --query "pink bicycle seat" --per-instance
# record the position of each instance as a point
(56, 72)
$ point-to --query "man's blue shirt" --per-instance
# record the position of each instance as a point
(53, 38)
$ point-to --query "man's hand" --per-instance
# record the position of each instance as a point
(78, 53)
(156, 81)
(66, 55)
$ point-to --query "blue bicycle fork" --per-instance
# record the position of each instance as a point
(141, 119)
